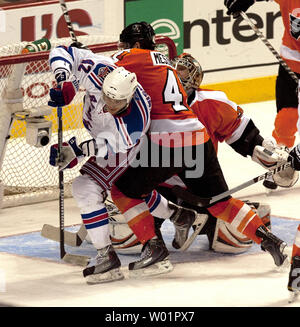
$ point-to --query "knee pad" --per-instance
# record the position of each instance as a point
(87, 193)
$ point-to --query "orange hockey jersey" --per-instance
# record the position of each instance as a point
(223, 119)
(290, 48)
(170, 112)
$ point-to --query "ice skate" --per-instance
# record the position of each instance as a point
(105, 267)
(154, 260)
(272, 244)
(293, 283)
(183, 219)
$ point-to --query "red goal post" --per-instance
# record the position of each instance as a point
(25, 80)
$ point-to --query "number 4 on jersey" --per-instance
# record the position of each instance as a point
(172, 94)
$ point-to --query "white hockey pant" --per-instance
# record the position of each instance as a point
(90, 199)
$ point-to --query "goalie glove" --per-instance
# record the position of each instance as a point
(271, 159)
(236, 6)
(71, 153)
(63, 94)
(269, 153)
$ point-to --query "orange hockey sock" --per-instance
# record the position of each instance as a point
(239, 215)
(136, 213)
(286, 126)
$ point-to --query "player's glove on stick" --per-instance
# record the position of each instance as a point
(236, 6)
(63, 94)
(71, 154)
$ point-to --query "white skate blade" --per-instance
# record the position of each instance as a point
(293, 296)
(76, 259)
(109, 276)
(190, 240)
(285, 267)
(162, 267)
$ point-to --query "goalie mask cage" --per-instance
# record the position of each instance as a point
(25, 80)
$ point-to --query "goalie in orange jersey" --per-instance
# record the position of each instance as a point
(225, 121)
(178, 144)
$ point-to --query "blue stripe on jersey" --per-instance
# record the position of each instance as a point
(94, 82)
(134, 121)
(70, 51)
(61, 59)
(145, 105)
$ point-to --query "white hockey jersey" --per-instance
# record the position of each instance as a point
(115, 133)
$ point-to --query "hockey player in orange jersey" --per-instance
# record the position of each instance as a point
(225, 121)
(171, 115)
(285, 125)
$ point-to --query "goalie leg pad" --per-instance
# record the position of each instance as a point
(122, 237)
(263, 210)
(228, 239)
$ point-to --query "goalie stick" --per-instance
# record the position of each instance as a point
(269, 46)
(204, 202)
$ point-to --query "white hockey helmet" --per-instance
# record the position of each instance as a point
(118, 89)
(189, 71)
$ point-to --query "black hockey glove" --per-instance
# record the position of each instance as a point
(294, 157)
(79, 45)
(236, 6)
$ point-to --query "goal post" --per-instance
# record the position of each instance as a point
(25, 80)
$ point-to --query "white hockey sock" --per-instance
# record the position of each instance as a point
(96, 223)
(158, 206)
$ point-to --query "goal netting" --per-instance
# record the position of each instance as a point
(25, 80)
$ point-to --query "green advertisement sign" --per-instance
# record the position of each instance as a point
(165, 16)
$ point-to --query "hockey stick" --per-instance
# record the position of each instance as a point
(70, 238)
(204, 202)
(73, 238)
(67, 257)
(68, 20)
(269, 46)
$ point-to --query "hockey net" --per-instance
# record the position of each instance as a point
(25, 79)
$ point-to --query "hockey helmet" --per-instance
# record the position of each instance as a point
(141, 32)
(118, 89)
(189, 71)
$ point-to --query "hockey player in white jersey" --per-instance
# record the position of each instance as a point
(116, 113)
